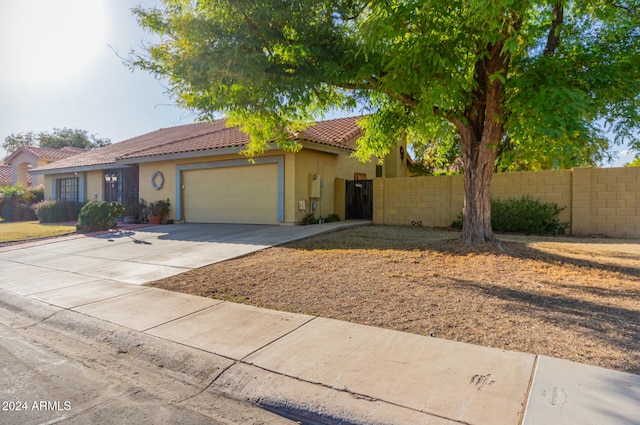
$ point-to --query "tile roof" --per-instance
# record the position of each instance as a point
(197, 137)
(336, 132)
(46, 153)
(6, 175)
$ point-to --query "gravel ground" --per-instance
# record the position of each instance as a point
(576, 299)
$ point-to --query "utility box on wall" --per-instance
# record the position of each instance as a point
(314, 186)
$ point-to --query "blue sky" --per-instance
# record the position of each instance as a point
(60, 69)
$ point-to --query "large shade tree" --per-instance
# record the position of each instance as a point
(541, 76)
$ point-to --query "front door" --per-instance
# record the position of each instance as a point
(121, 185)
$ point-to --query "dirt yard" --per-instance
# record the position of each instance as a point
(576, 299)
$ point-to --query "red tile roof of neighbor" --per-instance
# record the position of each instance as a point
(198, 137)
(6, 175)
(47, 153)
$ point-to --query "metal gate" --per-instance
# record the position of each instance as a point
(359, 200)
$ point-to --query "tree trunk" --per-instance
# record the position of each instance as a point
(481, 132)
(478, 158)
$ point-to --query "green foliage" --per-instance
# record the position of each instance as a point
(274, 65)
(98, 215)
(524, 215)
(540, 83)
(58, 211)
(435, 150)
(309, 218)
(16, 194)
(15, 141)
(331, 218)
(37, 192)
(59, 138)
(76, 138)
(15, 202)
(634, 163)
(17, 212)
(158, 208)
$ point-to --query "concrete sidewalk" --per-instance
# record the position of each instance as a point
(318, 370)
(327, 371)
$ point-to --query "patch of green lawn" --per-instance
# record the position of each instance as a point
(25, 230)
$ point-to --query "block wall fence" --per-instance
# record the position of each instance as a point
(596, 200)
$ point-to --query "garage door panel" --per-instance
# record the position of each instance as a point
(245, 194)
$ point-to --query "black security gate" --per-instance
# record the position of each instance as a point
(124, 187)
(359, 200)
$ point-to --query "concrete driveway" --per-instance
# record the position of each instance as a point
(139, 256)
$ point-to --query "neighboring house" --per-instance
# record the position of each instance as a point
(200, 169)
(25, 158)
(6, 175)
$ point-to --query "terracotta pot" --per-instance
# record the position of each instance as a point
(155, 219)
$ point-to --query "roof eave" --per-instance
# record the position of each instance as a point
(317, 146)
(77, 169)
(181, 155)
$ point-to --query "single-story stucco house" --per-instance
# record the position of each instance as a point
(199, 168)
(26, 158)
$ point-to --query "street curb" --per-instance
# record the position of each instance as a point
(289, 397)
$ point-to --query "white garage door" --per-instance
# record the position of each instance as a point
(246, 194)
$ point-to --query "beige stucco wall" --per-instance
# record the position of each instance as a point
(395, 164)
(290, 200)
(38, 180)
(94, 184)
(297, 167)
(596, 200)
(168, 169)
(168, 190)
(329, 167)
(22, 163)
(48, 186)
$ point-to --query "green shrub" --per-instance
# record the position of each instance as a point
(13, 211)
(524, 215)
(309, 219)
(15, 202)
(331, 218)
(17, 194)
(57, 211)
(38, 193)
(98, 215)
(159, 208)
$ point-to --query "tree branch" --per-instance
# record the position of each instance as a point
(407, 99)
(553, 38)
(630, 11)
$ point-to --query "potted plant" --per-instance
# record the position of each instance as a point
(130, 211)
(158, 210)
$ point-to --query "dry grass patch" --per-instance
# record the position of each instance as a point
(577, 299)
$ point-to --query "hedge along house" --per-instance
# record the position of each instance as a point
(200, 168)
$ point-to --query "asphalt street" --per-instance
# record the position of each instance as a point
(47, 377)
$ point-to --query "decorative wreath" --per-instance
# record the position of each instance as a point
(157, 180)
